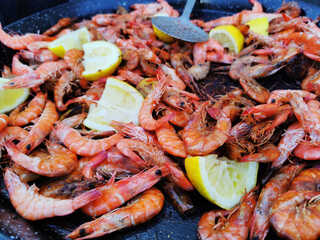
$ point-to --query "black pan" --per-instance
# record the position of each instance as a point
(168, 224)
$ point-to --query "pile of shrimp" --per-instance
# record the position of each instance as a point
(112, 176)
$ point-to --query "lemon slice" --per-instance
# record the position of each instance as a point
(146, 85)
(74, 39)
(220, 180)
(259, 25)
(11, 98)
(119, 101)
(101, 58)
(161, 35)
(229, 36)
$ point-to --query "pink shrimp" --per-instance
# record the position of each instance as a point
(4, 120)
(140, 210)
(150, 156)
(62, 87)
(40, 129)
(175, 81)
(62, 23)
(43, 55)
(200, 50)
(282, 96)
(116, 194)
(34, 109)
(73, 58)
(55, 162)
(43, 73)
(33, 206)
(18, 42)
(36, 46)
(170, 142)
(201, 139)
(309, 43)
(81, 145)
(19, 68)
(11, 133)
(145, 115)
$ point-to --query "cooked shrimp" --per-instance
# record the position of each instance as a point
(24, 174)
(40, 129)
(4, 120)
(36, 46)
(12, 133)
(18, 42)
(282, 96)
(307, 151)
(276, 186)
(18, 68)
(170, 142)
(116, 194)
(295, 215)
(201, 138)
(55, 162)
(175, 80)
(254, 89)
(33, 206)
(236, 226)
(150, 156)
(43, 55)
(312, 81)
(34, 109)
(308, 179)
(267, 152)
(291, 9)
(81, 145)
(145, 115)
(74, 58)
(62, 23)
(140, 210)
(200, 50)
(62, 87)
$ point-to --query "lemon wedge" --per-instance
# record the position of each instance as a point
(229, 36)
(161, 35)
(146, 85)
(11, 98)
(101, 58)
(74, 39)
(119, 101)
(259, 25)
(221, 180)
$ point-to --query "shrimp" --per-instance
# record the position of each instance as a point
(40, 129)
(33, 206)
(73, 58)
(4, 120)
(309, 43)
(81, 145)
(43, 55)
(312, 81)
(307, 179)
(43, 73)
(291, 9)
(199, 137)
(288, 143)
(132, 57)
(150, 102)
(18, 42)
(62, 87)
(18, 68)
(295, 215)
(271, 191)
(62, 23)
(236, 226)
(36, 46)
(199, 71)
(200, 50)
(254, 89)
(11, 133)
(282, 96)
(175, 80)
(140, 210)
(151, 155)
(24, 174)
(265, 153)
(170, 142)
(307, 151)
(34, 109)
(116, 194)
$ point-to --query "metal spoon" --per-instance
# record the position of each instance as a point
(181, 27)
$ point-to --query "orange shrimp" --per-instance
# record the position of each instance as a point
(312, 81)
(55, 162)
(43, 55)
(309, 43)
(43, 73)
(254, 89)
(267, 152)
(81, 145)
(62, 87)
(200, 50)
(282, 96)
(151, 155)
(146, 119)
(34, 109)
(4, 120)
(36, 46)
(132, 57)
(260, 112)
(295, 215)
(62, 23)
(12, 133)
(236, 226)
(73, 58)
(201, 139)
(288, 143)
(40, 129)
(276, 186)
(307, 179)
(307, 151)
(140, 210)
(170, 142)
(116, 194)
(24, 174)
(19, 68)
(33, 206)
(175, 81)
(18, 42)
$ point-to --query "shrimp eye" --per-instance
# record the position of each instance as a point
(11, 83)
(182, 104)
(82, 232)
(273, 101)
(28, 146)
(92, 185)
(158, 172)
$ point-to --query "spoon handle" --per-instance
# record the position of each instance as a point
(188, 9)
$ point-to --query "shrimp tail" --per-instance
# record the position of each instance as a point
(87, 171)
(178, 177)
(85, 198)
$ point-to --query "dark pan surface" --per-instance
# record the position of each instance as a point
(168, 224)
